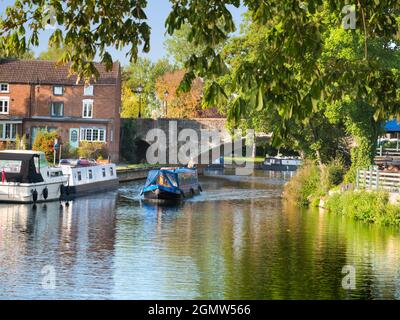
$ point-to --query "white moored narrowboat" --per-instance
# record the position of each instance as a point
(86, 177)
(26, 177)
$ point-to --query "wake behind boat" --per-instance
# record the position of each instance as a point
(26, 177)
(171, 184)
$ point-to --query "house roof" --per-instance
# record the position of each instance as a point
(48, 72)
(392, 126)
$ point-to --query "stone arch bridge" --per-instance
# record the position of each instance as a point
(173, 128)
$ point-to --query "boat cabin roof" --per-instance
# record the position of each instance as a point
(18, 156)
(177, 170)
(20, 167)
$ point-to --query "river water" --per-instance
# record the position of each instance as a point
(238, 240)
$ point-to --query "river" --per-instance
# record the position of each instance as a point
(238, 240)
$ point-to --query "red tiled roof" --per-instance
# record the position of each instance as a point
(47, 72)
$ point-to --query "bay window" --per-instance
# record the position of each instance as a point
(8, 131)
(93, 134)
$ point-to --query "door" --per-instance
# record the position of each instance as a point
(73, 138)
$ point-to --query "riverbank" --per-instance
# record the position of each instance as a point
(322, 186)
(362, 205)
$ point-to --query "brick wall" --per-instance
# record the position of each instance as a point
(27, 101)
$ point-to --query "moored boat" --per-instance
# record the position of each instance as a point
(26, 177)
(87, 177)
(282, 163)
(171, 184)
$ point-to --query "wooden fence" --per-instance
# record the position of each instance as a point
(374, 179)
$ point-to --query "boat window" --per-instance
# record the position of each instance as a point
(56, 174)
(104, 172)
(90, 174)
(172, 178)
(111, 171)
(10, 166)
(79, 176)
(162, 181)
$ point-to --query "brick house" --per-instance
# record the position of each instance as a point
(35, 95)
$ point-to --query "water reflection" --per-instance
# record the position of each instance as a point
(238, 240)
(77, 241)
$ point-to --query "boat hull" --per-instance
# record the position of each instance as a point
(23, 193)
(280, 167)
(73, 192)
(169, 196)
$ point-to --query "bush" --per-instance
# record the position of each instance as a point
(304, 184)
(311, 182)
(20, 143)
(370, 207)
(44, 142)
(332, 175)
(7, 145)
(68, 152)
(93, 150)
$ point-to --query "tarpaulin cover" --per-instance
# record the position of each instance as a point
(392, 126)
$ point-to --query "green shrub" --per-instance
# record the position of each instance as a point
(312, 181)
(304, 184)
(93, 150)
(68, 152)
(370, 207)
(332, 175)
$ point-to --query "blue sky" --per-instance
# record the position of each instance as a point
(157, 12)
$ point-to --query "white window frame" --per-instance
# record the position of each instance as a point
(51, 109)
(88, 91)
(58, 94)
(6, 99)
(84, 103)
(3, 132)
(84, 134)
(4, 91)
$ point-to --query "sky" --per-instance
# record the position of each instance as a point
(157, 12)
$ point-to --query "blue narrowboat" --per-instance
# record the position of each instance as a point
(171, 184)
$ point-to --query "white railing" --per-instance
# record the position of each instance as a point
(391, 152)
(374, 179)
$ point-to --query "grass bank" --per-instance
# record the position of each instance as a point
(369, 207)
(313, 182)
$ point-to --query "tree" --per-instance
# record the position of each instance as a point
(179, 105)
(319, 128)
(28, 55)
(52, 54)
(296, 36)
(144, 73)
(179, 49)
